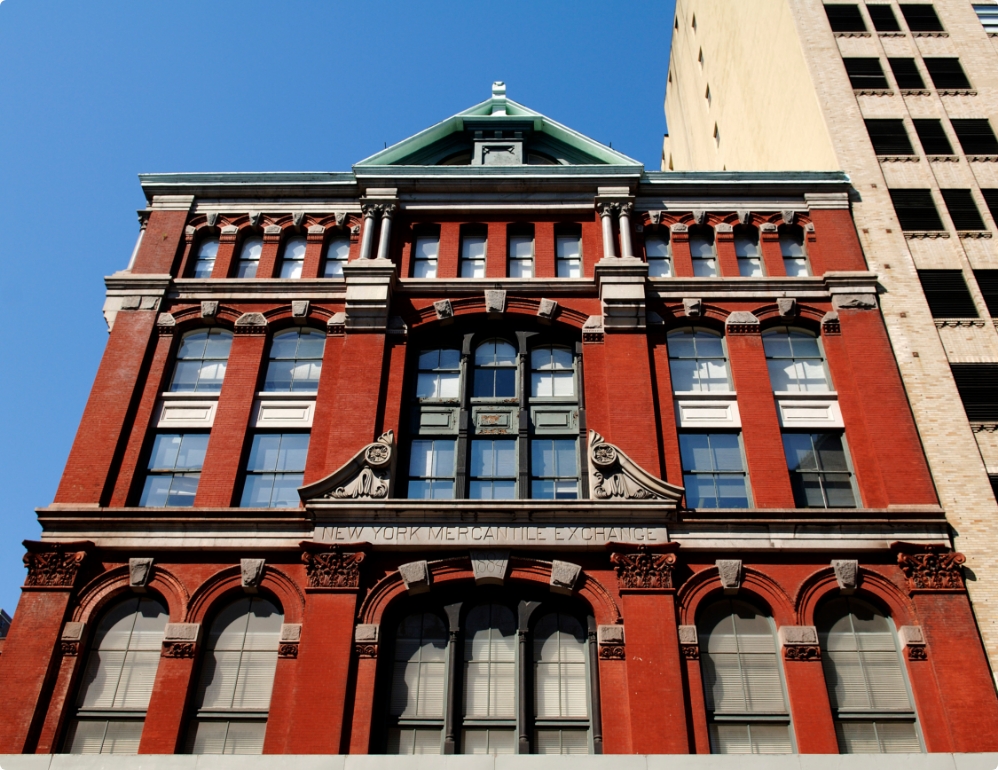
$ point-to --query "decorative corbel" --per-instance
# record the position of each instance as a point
(615, 476)
(368, 475)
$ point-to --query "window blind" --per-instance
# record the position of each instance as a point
(104, 736)
(946, 72)
(921, 17)
(865, 72)
(225, 737)
(976, 136)
(883, 18)
(915, 209)
(560, 678)
(845, 18)
(746, 738)
(906, 73)
(415, 740)
(962, 209)
(987, 282)
(877, 737)
(889, 137)
(933, 137)
(490, 663)
(419, 668)
(976, 385)
(947, 294)
(561, 742)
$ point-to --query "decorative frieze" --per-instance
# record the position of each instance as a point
(331, 568)
(741, 322)
(930, 568)
(644, 570)
(611, 642)
(53, 565)
(250, 323)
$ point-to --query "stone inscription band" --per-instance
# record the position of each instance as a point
(521, 535)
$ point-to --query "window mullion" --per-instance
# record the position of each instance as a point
(452, 691)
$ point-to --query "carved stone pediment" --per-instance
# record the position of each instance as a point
(368, 475)
(615, 476)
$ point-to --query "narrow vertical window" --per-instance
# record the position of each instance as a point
(249, 257)
(294, 257)
(337, 254)
(866, 681)
(174, 470)
(713, 470)
(489, 725)
(792, 250)
(419, 675)
(474, 243)
(568, 252)
(743, 682)
(658, 249)
(295, 361)
(201, 361)
(495, 370)
(819, 470)
(795, 361)
(237, 677)
(702, 251)
(561, 686)
(425, 250)
(439, 374)
(431, 469)
(554, 469)
(493, 469)
(521, 253)
(275, 470)
(747, 251)
(205, 263)
(697, 361)
(118, 679)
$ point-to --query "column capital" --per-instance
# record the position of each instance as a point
(54, 565)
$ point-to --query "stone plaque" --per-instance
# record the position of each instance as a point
(486, 535)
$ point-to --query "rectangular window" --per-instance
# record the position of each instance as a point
(554, 469)
(819, 472)
(962, 209)
(473, 246)
(921, 17)
(906, 74)
(976, 385)
(431, 469)
(946, 73)
(865, 73)
(249, 257)
(521, 253)
(713, 470)
(493, 469)
(883, 18)
(947, 294)
(987, 282)
(568, 252)
(174, 470)
(889, 137)
(916, 210)
(933, 137)
(991, 199)
(424, 255)
(845, 18)
(988, 16)
(275, 470)
(294, 257)
(976, 137)
(658, 250)
(337, 254)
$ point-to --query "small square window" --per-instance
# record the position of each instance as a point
(713, 470)
(946, 73)
(275, 470)
(845, 18)
(174, 470)
(819, 470)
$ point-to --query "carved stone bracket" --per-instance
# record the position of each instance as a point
(611, 642)
(368, 475)
(689, 643)
(54, 565)
(615, 476)
(914, 642)
(742, 322)
(930, 568)
(800, 642)
(365, 639)
(180, 640)
(802, 652)
(287, 646)
(71, 638)
(331, 568)
(830, 323)
(592, 330)
(644, 570)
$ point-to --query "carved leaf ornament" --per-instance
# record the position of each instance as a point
(644, 569)
(366, 476)
(937, 571)
(332, 569)
(615, 476)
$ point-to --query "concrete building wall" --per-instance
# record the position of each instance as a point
(960, 455)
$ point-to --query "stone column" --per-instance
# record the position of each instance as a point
(626, 248)
(31, 651)
(807, 690)
(164, 728)
(385, 239)
(371, 212)
(605, 210)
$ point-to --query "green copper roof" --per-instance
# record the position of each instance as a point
(499, 113)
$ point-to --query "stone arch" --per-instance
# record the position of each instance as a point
(108, 587)
(872, 587)
(226, 583)
(705, 586)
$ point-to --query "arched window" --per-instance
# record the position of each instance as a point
(419, 676)
(337, 254)
(201, 361)
(295, 361)
(237, 676)
(747, 251)
(702, 251)
(743, 681)
(792, 248)
(697, 361)
(495, 370)
(118, 679)
(294, 257)
(658, 250)
(795, 360)
(561, 686)
(495, 459)
(866, 680)
(249, 257)
(205, 262)
(538, 687)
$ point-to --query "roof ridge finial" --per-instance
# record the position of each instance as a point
(498, 98)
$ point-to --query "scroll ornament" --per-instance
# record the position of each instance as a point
(366, 476)
(615, 476)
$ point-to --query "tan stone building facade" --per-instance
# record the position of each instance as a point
(902, 97)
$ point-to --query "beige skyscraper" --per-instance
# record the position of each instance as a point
(903, 97)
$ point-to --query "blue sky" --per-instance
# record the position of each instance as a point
(94, 93)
